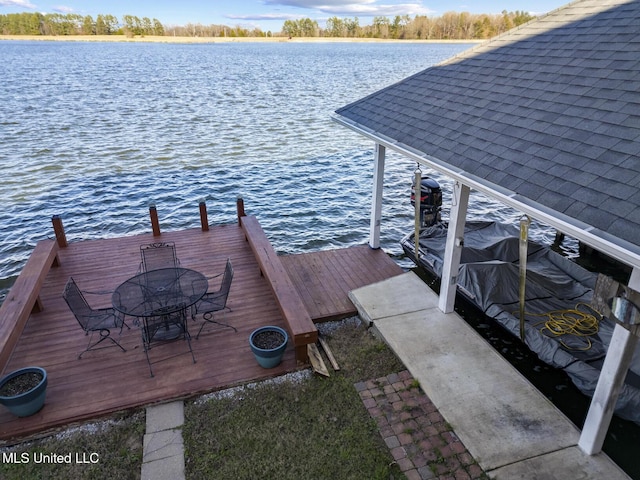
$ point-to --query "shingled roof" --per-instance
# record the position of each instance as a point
(548, 113)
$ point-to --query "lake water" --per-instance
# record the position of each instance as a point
(95, 132)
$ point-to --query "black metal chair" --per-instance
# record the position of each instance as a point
(158, 255)
(164, 325)
(92, 320)
(215, 301)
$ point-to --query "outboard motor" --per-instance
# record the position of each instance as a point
(430, 201)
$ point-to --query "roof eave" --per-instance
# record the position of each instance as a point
(614, 247)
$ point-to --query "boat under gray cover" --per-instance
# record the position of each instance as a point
(489, 277)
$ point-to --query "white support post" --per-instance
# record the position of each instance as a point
(376, 200)
(453, 248)
(614, 370)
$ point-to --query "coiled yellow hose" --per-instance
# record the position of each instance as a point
(583, 321)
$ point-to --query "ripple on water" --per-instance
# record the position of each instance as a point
(97, 132)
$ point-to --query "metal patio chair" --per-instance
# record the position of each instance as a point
(166, 324)
(92, 320)
(158, 255)
(216, 301)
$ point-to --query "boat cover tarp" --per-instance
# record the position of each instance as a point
(489, 277)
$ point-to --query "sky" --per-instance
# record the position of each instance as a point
(270, 15)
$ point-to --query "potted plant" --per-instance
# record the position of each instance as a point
(268, 345)
(23, 391)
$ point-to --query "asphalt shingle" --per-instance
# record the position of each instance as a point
(553, 102)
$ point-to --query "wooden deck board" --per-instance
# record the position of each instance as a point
(108, 380)
(324, 278)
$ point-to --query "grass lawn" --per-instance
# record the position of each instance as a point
(312, 427)
(106, 450)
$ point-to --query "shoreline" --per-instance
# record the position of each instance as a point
(172, 39)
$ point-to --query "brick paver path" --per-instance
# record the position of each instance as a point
(421, 442)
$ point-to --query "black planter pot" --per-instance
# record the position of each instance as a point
(270, 356)
(29, 402)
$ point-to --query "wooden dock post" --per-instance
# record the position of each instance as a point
(58, 229)
(240, 208)
(155, 224)
(204, 220)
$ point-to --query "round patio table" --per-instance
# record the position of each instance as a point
(159, 292)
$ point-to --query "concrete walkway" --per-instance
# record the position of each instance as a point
(508, 426)
(163, 449)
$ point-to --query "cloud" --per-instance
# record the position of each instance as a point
(376, 10)
(316, 3)
(63, 9)
(355, 7)
(28, 4)
(272, 16)
(17, 3)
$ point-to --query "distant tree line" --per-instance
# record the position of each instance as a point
(450, 26)
(198, 30)
(75, 24)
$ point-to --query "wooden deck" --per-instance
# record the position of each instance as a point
(324, 278)
(108, 380)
